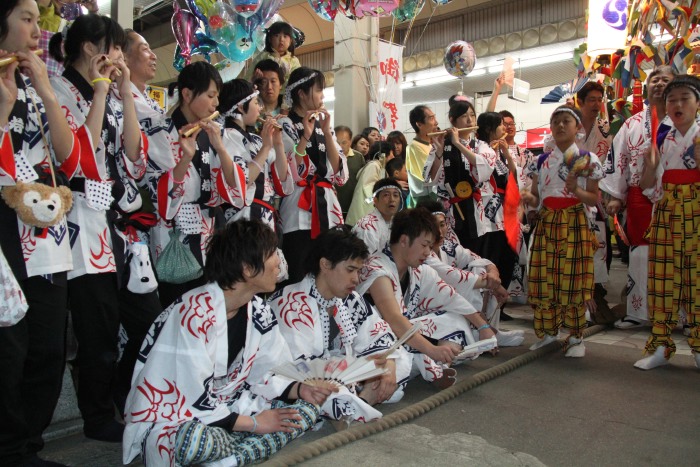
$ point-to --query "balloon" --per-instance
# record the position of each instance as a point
(460, 59)
(326, 9)
(205, 46)
(442, 2)
(228, 69)
(375, 7)
(246, 8)
(178, 59)
(276, 18)
(222, 25)
(242, 47)
(299, 37)
(407, 10)
(268, 9)
(199, 8)
(70, 11)
(183, 24)
(259, 38)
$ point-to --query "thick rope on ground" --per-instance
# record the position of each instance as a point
(354, 433)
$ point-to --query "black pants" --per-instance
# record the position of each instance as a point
(32, 360)
(296, 247)
(494, 247)
(97, 308)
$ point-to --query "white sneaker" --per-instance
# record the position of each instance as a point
(510, 338)
(576, 348)
(652, 361)
(697, 359)
(548, 339)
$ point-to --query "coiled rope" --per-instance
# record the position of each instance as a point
(354, 433)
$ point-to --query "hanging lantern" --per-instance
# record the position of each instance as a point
(607, 26)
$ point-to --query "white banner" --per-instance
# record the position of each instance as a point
(384, 114)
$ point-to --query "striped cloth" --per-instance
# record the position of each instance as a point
(197, 443)
(561, 279)
(674, 276)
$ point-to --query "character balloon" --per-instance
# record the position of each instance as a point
(326, 9)
(442, 2)
(460, 59)
(241, 48)
(200, 8)
(222, 25)
(246, 8)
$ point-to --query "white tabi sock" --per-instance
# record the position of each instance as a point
(653, 360)
(576, 348)
(548, 339)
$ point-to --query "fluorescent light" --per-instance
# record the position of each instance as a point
(548, 59)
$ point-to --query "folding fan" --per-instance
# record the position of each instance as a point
(338, 371)
(564, 90)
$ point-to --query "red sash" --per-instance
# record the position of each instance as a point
(553, 202)
(681, 176)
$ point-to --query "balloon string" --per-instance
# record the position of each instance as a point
(434, 9)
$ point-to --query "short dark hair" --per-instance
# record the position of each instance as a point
(417, 115)
(566, 107)
(587, 89)
(233, 92)
(369, 130)
(487, 122)
(384, 182)
(196, 77)
(379, 147)
(357, 138)
(238, 244)
(301, 73)
(269, 65)
(684, 81)
(393, 165)
(280, 27)
(96, 29)
(458, 109)
(506, 114)
(344, 128)
(413, 223)
(432, 206)
(336, 245)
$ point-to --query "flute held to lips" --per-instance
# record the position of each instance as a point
(13, 58)
(109, 62)
(460, 130)
(189, 132)
(274, 123)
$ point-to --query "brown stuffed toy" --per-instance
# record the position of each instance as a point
(37, 204)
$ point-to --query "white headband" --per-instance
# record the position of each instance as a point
(290, 88)
(567, 110)
(233, 111)
(379, 190)
(439, 212)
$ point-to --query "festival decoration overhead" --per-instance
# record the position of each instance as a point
(200, 8)
(442, 2)
(563, 91)
(407, 10)
(325, 9)
(246, 8)
(607, 26)
(460, 59)
(183, 24)
(374, 7)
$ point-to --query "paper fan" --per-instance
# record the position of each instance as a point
(477, 348)
(337, 371)
(561, 92)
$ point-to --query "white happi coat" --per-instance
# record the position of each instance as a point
(182, 372)
(91, 243)
(487, 161)
(428, 300)
(373, 230)
(461, 268)
(176, 203)
(294, 218)
(43, 251)
(243, 151)
(306, 327)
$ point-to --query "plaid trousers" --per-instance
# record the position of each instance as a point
(674, 276)
(561, 270)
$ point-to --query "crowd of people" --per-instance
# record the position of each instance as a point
(198, 253)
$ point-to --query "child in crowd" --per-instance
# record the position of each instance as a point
(671, 179)
(561, 262)
(279, 46)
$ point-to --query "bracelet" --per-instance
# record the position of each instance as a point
(255, 163)
(97, 80)
(255, 424)
(484, 326)
(297, 152)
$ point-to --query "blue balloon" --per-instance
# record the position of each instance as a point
(242, 47)
(204, 45)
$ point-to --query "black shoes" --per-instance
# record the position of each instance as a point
(110, 432)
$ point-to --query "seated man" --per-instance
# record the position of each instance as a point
(405, 291)
(322, 316)
(374, 228)
(473, 277)
(202, 389)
